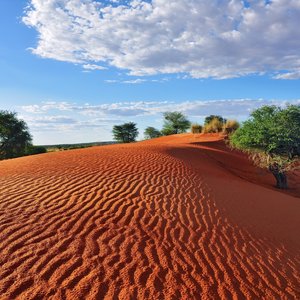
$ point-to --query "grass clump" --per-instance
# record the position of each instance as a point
(196, 128)
(214, 126)
(230, 126)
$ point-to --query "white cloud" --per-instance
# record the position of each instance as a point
(289, 75)
(93, 67)
(61, 123)
(202, 38)
(47, 106)
(111, 81)
(198, 108)
(138, 108)
(137, 80)
(54, 120)
(134, 81)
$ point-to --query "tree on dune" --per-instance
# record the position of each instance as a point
(125, 133)
(151, 133)
(14, 135)
(175, 122)
(271, 137)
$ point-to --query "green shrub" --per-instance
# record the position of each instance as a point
(151, 133)
(271, 137)
(196, 128)
(36, 150)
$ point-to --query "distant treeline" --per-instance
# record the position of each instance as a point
(62, 147)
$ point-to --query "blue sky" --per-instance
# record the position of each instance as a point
(74, 68)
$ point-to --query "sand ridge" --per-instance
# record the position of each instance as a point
(178, 217)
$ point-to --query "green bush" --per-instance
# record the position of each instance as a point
(36, 150)
(271, 137)
(151, 133)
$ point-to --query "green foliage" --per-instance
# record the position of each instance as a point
(31, 150)
(272, 138)
(230, 126)
(125, 133)
(14, 135)
(214, 126)
(175, 122)
(151, 133)
(271, 130)
(196, 128)
(211, 117)
(167, 130)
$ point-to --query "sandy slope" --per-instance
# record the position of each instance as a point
(179, 217)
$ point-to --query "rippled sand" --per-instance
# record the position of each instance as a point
(179, 217)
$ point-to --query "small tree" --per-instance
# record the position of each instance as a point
(208, 119)
(175, 122)
(125, 133)
(151, 133)
(272, 138)
(14, 135)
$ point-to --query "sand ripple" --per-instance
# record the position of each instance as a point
(165, 219)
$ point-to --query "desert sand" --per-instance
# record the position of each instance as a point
(178, 217)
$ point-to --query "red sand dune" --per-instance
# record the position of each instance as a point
(179, 217)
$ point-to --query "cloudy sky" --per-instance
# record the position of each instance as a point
(74, 68)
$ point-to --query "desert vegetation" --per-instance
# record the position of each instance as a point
(151, 133)
(271, 137)
(230, 126)
(216, 124)
(210, 118)
(174, 123)
(213, 126)
(36, 150)
(196, 128)
(15, 138)
(64, 147)
(125, 133)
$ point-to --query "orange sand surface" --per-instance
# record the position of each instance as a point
(179, 217)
